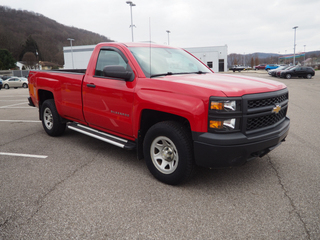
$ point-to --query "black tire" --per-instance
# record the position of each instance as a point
(6, 86)
(51, 121)
(24, 85)
(168, 152)
(309, 76)
(288, 76)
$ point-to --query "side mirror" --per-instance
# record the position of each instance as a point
(116, 71)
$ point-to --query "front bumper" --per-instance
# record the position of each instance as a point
(227, 150)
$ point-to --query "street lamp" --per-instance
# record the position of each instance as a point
(168, 36)
(294, 46)
(37, 65)
(70, 39)
(131, 5)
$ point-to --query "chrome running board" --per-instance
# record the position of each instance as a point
(109, 138)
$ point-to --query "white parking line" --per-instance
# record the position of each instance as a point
(9, 100)
(21, 121)
(13, 105)
(23, 155)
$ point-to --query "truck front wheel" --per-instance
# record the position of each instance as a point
(168, 152)
(51, 120)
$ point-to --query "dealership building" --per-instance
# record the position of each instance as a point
(77, 57)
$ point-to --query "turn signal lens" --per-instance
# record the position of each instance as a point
(216, 124)
(223, 105)
(216, 106)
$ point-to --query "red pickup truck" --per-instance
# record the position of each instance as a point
(167, 105)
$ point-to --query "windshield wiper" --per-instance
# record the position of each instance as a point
(171, 73)
(161, 74)
(200, 72)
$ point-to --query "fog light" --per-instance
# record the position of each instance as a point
(228, 124)
(216, 124)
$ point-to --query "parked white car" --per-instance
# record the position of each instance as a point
(15, 82)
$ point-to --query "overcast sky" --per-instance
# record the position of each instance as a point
(246, 26)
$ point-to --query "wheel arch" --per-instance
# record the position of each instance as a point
(43, 95)
(152, 117)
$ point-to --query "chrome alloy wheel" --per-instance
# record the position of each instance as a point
(164, 155)
(48, 118)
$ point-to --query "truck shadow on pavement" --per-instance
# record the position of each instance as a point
(255, 171)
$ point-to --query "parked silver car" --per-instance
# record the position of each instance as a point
(15, 82)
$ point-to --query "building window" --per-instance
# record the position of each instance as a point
(209, 64)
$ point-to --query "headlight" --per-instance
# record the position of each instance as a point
(224, 114)
(223, 105)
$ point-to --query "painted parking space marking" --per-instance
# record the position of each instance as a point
(8, 106)
(21, 121)
(23, 155)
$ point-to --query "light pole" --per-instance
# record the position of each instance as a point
(168, 36)
(294, 46)
(70, 39)
(304, 54)
(37, 65)
(131, 5)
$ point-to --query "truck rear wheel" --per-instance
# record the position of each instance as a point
(168, 152)
(51, 120)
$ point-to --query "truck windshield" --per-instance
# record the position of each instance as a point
(166, 61)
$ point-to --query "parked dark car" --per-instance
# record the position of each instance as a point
(238, 68)
(260, 66)
(278, 72)
(5, 77)
(298, 71)
(0, 83)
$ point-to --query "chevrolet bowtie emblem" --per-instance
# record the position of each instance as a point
(276, 109)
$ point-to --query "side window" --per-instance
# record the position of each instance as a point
(109, 58)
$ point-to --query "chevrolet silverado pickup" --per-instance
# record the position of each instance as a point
(166, 105)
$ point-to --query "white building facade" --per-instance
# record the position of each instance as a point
(214, 57)
(77, 57)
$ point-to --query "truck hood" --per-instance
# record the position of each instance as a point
(229, 85)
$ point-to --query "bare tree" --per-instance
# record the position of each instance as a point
(234, 59)
(29, 60)
(256, 60)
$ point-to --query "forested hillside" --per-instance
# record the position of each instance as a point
(23, 31)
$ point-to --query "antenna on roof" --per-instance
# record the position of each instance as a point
(150, 44)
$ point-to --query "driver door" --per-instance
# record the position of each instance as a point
(108, 102)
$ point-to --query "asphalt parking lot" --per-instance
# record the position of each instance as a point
(76, 187)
